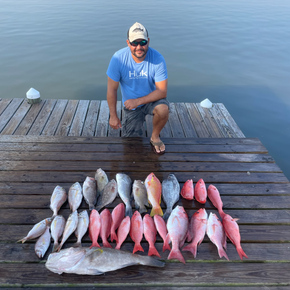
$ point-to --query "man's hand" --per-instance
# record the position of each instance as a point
(131, 104)
(115, 122)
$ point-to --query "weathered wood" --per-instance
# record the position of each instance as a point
(29, 119)
(42, 118)
(102, 125)
(176, 128)
(3, 104)
(67, 118)
(91, 119)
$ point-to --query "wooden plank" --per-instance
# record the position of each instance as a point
(174, 122)
(79, 119)
(103, 121)
(55, 117)
(230, 120)
(210, 122)
(42, 118)
(186, 123)
(116, 132)
(125, 166)
(66, 120)
(17, 118)
(91, 119)
(3, 104)
(8, 113)
(29, 119)
(198, 122)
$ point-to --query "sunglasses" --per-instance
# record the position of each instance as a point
(142, 43)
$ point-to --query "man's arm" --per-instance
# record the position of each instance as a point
(112, 89)
(159, 93)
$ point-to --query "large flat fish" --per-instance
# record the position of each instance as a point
(124, 183)
(95, 261)
(108, 194)
(170, 193)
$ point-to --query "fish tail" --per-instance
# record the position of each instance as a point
(241, 253)
(176, 254)
(142, 209)
(222, 253)
(55, 246)
(22, 240)
(221, 213)
(106, 244)
(91, 207)
(149, 261)
(156, 210)
(166, 246)
(128, 210)
(95, 244)
(77, 244)
(167, 214)
(153, 252)
(118, 246)
(137, 248)
(114, 236)
(191, 248)
(59, 247)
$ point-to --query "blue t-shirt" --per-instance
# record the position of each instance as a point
(137, 79)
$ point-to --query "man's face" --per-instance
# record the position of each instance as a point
(140, 50)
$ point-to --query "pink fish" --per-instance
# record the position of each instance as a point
(136, 231)
(177, 226)
(154, 191)
(214, 196)
(123, 231)
(216, 234)
(187, 190)
(196, 231)
(162, 230)
(200, 193)
(106, 220)
(94, 228)
(233, 233)
(150, 233)
(118, 214)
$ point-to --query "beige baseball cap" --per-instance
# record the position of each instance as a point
(137, 31)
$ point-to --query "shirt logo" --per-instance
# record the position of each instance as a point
(135, 75)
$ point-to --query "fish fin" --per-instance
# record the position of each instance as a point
(176, 254)
(142, 209)
(166, 246)
(91, 207)
(137, 248)
(77, 245)
(222, 253)
(156, 210)
(241, 253)
(95, 244)
(106, 244)
(118, 246)
(22, 240)
(191, 248)
(153, 252)
(129, 211)
(55, 246)
(99, 207)
(114, 236)
(167, 214)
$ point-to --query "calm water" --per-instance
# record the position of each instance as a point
(234, 52)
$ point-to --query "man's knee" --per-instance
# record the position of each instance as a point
(162, 110)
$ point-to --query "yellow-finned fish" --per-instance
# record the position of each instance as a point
(154, 189)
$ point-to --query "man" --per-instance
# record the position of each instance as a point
(141, 72)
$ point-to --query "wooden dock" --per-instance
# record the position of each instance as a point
(91, 118)
(252, 186)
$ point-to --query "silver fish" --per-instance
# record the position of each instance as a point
(56, 229)
(124, 183)
(170, 193)
(43, 243)
(70, 227)
(140, 195)
(37, 230)
(75, 196)
(90, 192)
(57, 199)
(108, 194)
(101, 178)
(83, 224)
(95, 261)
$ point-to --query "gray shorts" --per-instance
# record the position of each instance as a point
(133, 120)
